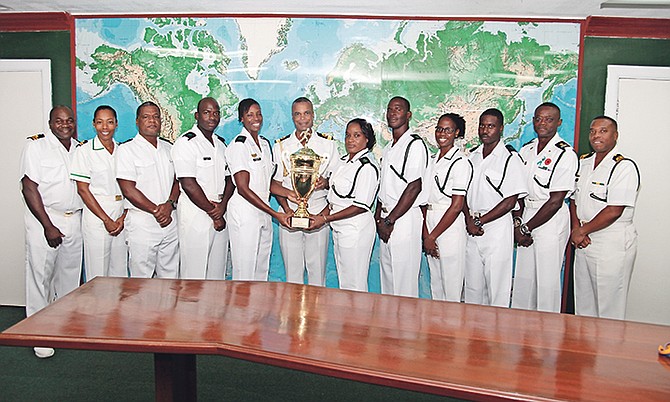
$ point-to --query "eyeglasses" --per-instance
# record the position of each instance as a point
(447, 130)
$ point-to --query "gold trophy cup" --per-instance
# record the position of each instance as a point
(304, 174)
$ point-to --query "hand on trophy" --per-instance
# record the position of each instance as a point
(284, 218)
(321, 183)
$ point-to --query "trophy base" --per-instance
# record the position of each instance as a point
(299, 223)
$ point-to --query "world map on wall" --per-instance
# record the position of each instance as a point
(348, 67)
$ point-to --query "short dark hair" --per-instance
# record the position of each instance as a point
(53, 109)
(302, 99)
(104, 107)
(367, 130)
(145, 104)
(551, 105)
(458, 120)
(495, 113)
(244, 106)
(205, 99)
(616, 126)
(400, 98)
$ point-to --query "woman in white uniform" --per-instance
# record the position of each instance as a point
(353, 191)
(444, 234)
(93, 169)
(249, 215)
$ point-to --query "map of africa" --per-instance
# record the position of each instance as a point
(347, 67)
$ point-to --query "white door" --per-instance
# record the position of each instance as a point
(25, 86)
(639, 99)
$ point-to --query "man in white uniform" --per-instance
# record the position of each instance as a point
(200, 165)
(302, 249)
(404, 170)
(52, 216)
(497, 182)
(603, 232)
(542, 223)
(146, 177)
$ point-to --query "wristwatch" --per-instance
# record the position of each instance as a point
(173, 203)
(478, 222)
(388, 222)
(524, 230)
(518, 221)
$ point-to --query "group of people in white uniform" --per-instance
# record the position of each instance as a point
(151, 208)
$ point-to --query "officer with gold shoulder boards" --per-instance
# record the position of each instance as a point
(52, 215)
(603, 232)
(304, 249)
(542, 223)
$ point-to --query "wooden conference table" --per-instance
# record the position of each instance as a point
(463, 351)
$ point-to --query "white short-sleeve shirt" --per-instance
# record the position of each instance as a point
(553, 169)
(354, 182)
(449, 175)
(149, 167)
(46, 162)
(244, 155)
(92, 164)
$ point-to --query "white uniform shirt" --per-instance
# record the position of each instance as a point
(194, 156)
(244, 155)
(354, 182)
(498, 176)
(611, 183)
(325, 148)
(92, 164)
(150, 168)
(449, 175)
(551, 170)
(402, 164)
(46, 162)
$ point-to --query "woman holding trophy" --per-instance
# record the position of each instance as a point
(444, 234)
(249, 215)
(353, 190)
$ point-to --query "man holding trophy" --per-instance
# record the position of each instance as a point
(298, 155)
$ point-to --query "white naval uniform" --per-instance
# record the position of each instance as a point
(400, 258)
(354, 182)
(51, 272)
(450, 175)
(302, 249)
(537, 276)
(152, 249)
(104, 254)
(250, 228)
(604, 268)
(488, 258)
(203, 252)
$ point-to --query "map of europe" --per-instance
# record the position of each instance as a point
(348, 67)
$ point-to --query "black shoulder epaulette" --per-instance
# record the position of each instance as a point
(241, 138)
(510, 148)
(326, 136)
(221, 139)
(364, 160)
(82, 143)
(527, 143)
(586, 155)
(562, 145)
(165, 139)
(189, 135)
(35, 137)
(475, 148)
(126, 141)
(282, 138)
(618, 158)
(416, 136)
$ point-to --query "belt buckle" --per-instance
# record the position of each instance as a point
(118, 198)
(68, 213)
(429, 207)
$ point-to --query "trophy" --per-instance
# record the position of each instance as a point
(304, 174)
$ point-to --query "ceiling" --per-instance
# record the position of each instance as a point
(564, 9)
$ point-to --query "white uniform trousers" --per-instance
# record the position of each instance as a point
(603, 271)
(302, 250)
(400, 258)
(52, 272)
(447, 272)
(537, 276)
(488, 264)
(203, 252)
(104, 255)
(151, 248)
(250, 240)
(353, 239)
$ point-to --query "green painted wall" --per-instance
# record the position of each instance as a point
(54, 45)
(600, 52)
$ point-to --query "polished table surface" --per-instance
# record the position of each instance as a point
(465, 351)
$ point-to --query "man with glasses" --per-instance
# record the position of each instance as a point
(542, 222)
